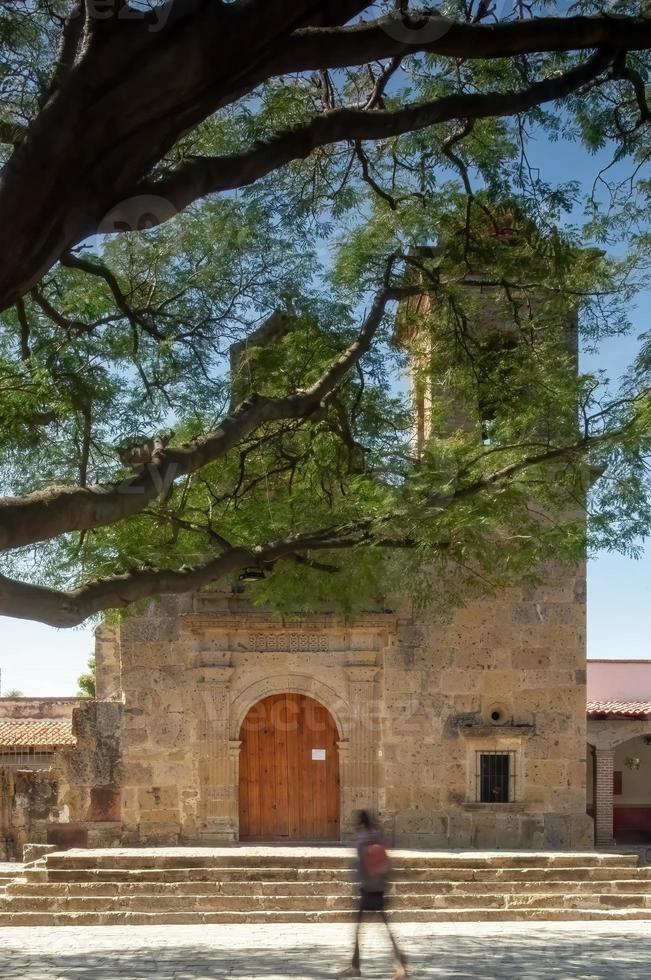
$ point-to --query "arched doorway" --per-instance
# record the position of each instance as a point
(632, 791)
(289, 771)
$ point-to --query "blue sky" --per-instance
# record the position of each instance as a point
(619, 588)
(41, 661)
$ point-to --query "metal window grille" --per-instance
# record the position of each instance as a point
(495, 777)
(25, 758)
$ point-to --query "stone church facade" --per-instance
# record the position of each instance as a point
(468, 732)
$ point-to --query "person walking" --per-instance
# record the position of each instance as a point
(372, 868)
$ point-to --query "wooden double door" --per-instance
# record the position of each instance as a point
(289, 771)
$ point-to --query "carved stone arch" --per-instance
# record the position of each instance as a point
(290, 684)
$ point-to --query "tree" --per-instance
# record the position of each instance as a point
(87, 681)
(208, 213)
(14, 693)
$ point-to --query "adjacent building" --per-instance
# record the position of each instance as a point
(619, 750)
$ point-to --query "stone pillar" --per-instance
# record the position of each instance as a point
(108, 681)
(361, 761)
(604, 797)
(346, 826)
(234, 747)
(214, 753)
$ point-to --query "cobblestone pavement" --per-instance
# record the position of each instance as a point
(504, 951)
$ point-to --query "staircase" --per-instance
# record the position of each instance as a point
(267, 884)
(7, 873)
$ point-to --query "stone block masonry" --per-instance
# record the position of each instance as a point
(417, 701)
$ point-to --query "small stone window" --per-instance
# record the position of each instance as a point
(495, 776)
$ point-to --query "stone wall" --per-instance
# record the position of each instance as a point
(159, 773)
(189, 676)
(50, 709)
(521, 657)
(89, 774)
(414, 699)
(76, 802)
(28, 803)
(107, 663)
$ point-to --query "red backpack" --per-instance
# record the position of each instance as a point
(376, 860)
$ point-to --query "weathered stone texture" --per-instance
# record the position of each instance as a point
(415, 699)
(90, 773)
(399, 688)
(28, 803)
(38, 708)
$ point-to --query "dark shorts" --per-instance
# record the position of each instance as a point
(371, 902)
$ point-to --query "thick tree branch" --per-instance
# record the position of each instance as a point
(72, 172)
(389, 37)
(48, 513)
(69, 47)
(66, 609)
(207, 175)
(624, 71)
(83, 153)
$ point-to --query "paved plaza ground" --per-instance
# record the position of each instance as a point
(506, 951)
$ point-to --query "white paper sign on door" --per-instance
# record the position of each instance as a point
(318, 755)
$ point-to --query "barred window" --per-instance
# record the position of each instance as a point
(495, 777)
(25, 758)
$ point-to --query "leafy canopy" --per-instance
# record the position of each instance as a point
(469, 275)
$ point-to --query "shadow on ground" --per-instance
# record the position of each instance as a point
(507, 957)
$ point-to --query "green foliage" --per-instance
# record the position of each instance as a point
(516, 268)
(87, 681)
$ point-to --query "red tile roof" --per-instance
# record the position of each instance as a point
(620, 709)
(28, 732)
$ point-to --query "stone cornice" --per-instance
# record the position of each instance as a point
(248, 622)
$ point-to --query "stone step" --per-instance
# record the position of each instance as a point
(119, 874)
(195, 885)
(8, 873)
(340, 858)
(191, 917)
(313, 903)
(310, 887)
(196, 874)
(130, 879)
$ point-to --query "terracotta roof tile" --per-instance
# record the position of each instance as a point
(620, 709)
(31, 732)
